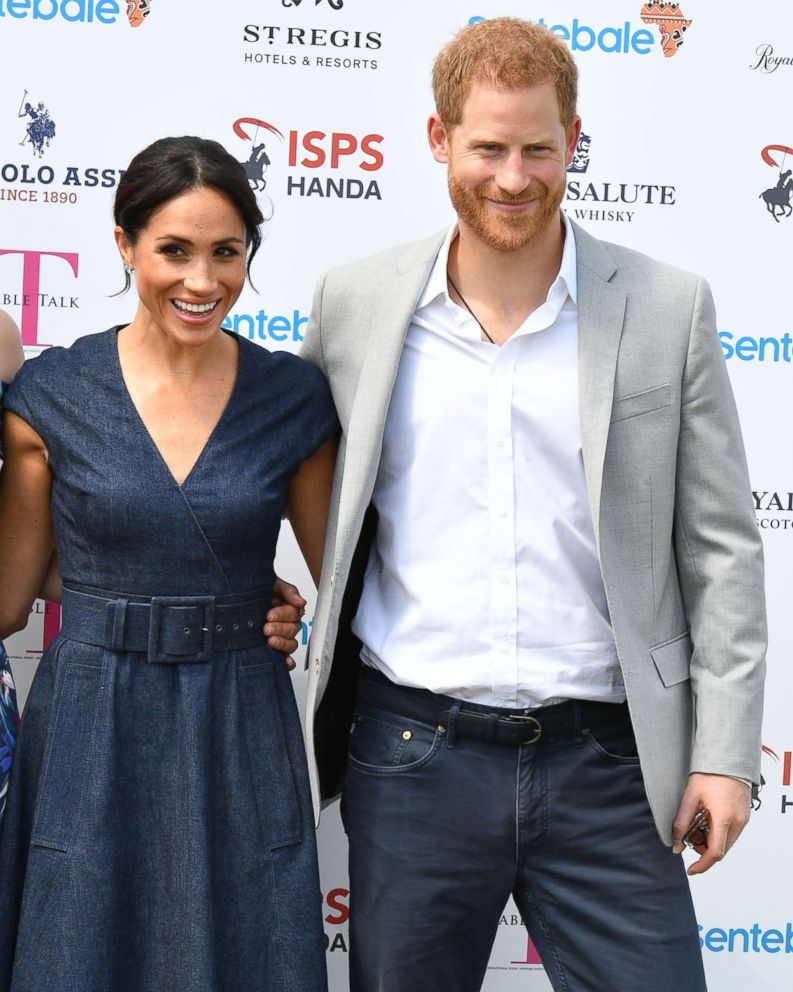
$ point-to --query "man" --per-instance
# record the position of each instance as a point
(541, 510)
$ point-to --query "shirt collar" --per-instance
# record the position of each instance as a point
(437, 285)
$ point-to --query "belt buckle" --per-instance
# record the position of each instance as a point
(527, 719)
(158, 606)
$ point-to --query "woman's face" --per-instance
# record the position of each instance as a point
(189, 264)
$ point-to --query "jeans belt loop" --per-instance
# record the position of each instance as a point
(116, 624)
(451, 730)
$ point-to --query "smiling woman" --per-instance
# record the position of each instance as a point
(159, 796)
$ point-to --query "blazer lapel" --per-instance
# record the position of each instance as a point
(601, 313)
(389, 320)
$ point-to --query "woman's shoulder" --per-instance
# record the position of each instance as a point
(290, 368)
(55, 368)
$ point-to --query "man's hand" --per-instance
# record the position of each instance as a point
(727, 801)
(284, 620)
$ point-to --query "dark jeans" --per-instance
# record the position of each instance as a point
(442, 831)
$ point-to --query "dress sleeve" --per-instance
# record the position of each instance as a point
(20, 396)
(322, 421)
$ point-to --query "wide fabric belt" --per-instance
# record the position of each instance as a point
(543, 724)
(174, 629)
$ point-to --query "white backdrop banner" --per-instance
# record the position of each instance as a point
(687, 155)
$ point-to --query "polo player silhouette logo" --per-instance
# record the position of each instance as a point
(138, 11)
(580, 162)
(778, 198)
(671, 24)
(335, 4)
(257, 162)
(40, 129)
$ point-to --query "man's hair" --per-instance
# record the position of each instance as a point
(508, 53)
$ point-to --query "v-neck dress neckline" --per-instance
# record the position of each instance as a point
(124, 388)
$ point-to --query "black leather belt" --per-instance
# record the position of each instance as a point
(173, 629)
(546, 724)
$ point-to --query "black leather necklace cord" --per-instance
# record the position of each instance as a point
(462, 298)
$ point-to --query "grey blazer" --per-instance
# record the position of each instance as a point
(679, 550)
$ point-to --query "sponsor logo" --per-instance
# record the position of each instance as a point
(333, 4)
(30, 297)
(778, 765)
(77, 11)
(580, 162)
(766, 61)
(668, 17)
(528, 960)
(347, 161)
(336, 913)
(748, 348)
(778, 197)
(39, 126)
(33, 182)
(753, 939)
(328, 48)
(617, 202)
(582, 37)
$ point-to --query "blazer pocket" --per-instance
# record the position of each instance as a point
(638, 403)
(673, 659)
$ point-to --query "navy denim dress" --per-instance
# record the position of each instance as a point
(158, 832)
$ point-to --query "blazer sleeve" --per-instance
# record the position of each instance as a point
(311, 348)
(720, 560)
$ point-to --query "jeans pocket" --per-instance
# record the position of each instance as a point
(386, 743)
(68, 760)
(269, 748)
(614, 740)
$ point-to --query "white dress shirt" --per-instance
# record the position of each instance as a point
(483, 582)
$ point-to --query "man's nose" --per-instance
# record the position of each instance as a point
(513, 175)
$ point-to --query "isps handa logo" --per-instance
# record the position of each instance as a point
(25, 178)
(594, 199)
(77, 11)
(777, 775)
(777, 198)
(319, 163)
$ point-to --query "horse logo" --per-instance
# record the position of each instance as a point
(778, 198)
(40, 129)
(256, 166)
(580, 162)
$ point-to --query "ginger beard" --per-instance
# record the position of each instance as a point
(503, 231)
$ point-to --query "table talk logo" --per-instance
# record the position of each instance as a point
(592, 199)
(98, 12)
(523, 960)
(672, 25)
(765, 61)
(31, 295)
(777, 198)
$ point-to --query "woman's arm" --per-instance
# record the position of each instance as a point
(51, 586)
(26, 539)
(11, 354)
(309, 502)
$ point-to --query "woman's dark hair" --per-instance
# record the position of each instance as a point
(172, 166)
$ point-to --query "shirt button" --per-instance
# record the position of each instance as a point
(504, 649)
(500, 443)
(502, 513)
(504, 579)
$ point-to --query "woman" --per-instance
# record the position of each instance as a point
(11, 357)
(158, 833)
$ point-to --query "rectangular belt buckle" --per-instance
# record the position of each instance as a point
(158, 606)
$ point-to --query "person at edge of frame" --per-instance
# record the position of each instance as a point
(538, 651)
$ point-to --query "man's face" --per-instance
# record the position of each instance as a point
(506, 163)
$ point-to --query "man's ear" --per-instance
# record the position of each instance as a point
(573, 132)
(439, 139)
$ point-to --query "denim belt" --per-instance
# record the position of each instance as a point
(559, 722)
(174, 629)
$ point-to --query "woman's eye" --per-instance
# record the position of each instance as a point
(172, 250)
(226, 252)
